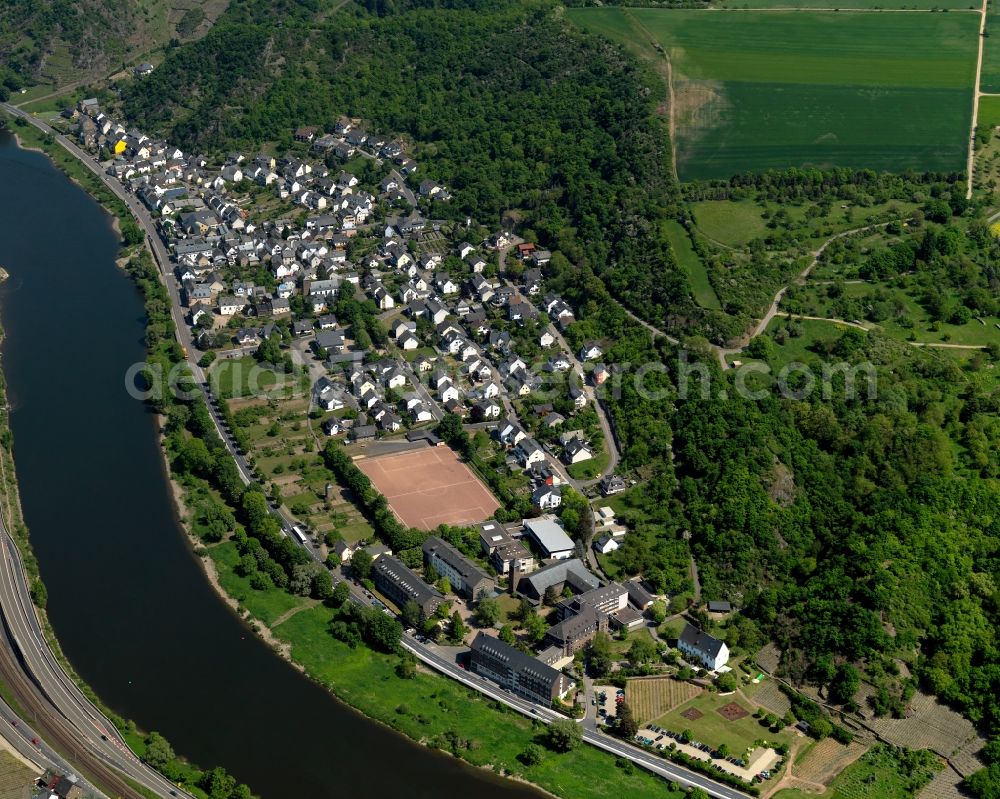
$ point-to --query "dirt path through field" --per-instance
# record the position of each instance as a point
(970, 165)
(666, 72)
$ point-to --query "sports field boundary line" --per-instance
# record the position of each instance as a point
(435, 488)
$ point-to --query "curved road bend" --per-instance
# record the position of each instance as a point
(610, 439)
(655, 764)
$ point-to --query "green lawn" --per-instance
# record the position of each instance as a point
(688, 259)
(759, 90)
(508, 606)
(732, 223)
(713, 729)
(31, 92)
(671, 629)
(619, 647)
(356, 531)
(588, 469)
(797, 349)
(241, 377)
(264, 605)
(427, 707)
(629, 504)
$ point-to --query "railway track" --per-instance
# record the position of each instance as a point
(53, 726)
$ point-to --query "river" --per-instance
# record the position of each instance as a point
(127, 598)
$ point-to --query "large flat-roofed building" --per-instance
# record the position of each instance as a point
(504, 552)
(464, 575)
(549, 537)
(522, 674)
(400, 584)
(570, 572)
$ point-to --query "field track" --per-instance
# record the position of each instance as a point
(778, 87)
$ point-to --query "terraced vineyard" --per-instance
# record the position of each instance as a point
(826, 759)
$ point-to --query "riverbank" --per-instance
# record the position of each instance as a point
(182, 507)
(177, 770)
(13, 517)
(429, 708)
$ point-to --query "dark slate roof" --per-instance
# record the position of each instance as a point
(470, 572)
(719, 606)
(570, 571)
(396, 572)
(701, 641)
(570, 630)
(638, 594)
(515, 658)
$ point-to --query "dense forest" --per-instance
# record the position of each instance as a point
(850, 530)
(67, 41)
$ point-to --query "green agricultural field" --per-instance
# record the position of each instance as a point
(688, 259)
(759, 90)
(871, 5)
(989, 80)
(989, 111)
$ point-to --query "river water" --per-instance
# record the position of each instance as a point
(128, 599)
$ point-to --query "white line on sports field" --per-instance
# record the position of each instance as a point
(976, 94)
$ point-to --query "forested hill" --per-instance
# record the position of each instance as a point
(509, 105)
(66, 41)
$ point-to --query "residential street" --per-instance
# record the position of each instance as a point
(610, 440)
(94, 734)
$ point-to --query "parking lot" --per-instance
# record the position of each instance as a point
(607, 697)
(760, 768)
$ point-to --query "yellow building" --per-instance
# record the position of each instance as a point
(119, 147)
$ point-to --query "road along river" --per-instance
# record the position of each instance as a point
(128, 600)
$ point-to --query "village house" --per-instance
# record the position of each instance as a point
(229, 305)
(703, 648)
